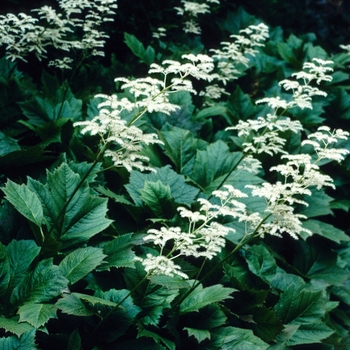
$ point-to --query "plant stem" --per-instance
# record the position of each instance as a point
(242, 243)
(103, 320)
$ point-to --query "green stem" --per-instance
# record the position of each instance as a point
(242, 243)
(103, 320)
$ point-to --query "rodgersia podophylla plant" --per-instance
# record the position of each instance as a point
(124, 140)
(23, 34)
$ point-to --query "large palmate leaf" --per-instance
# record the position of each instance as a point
(241, 107)
(60, 103)
(42, 284)
(199, 334)
(235, 338)
(25, 201)
(80, 262)
(137, 48)
(20, 256)
(180, 191)
(181, 147)
(318, 204)
(260, 262)
(79, 304)
(299, 305)
(201, 297)
(317, 262)
(211, 165)
(71, 304)
(310, 333)
(37, 314)
(325, 230)
(157, 197)
(78, 221)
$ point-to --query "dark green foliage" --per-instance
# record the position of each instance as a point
(72, 226)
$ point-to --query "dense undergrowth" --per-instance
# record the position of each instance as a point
(199, 200)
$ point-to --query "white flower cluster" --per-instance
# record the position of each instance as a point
(302, 93)
(159, 33)
(190, 10)
(235, 52)
(204, 237)
(323, 138)
(300, 173)
(262, 134)
(268, 141)
(151, 94)
(24, 34)
(229, 57)
(125, 142)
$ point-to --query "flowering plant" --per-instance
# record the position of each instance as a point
(196, 201)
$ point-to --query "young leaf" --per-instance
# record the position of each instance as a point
(80, 262)
(137, 48)
(25, 342)
(42, 284)
(36, 314)
(12, 325)
(25, 201)
(201, 297)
